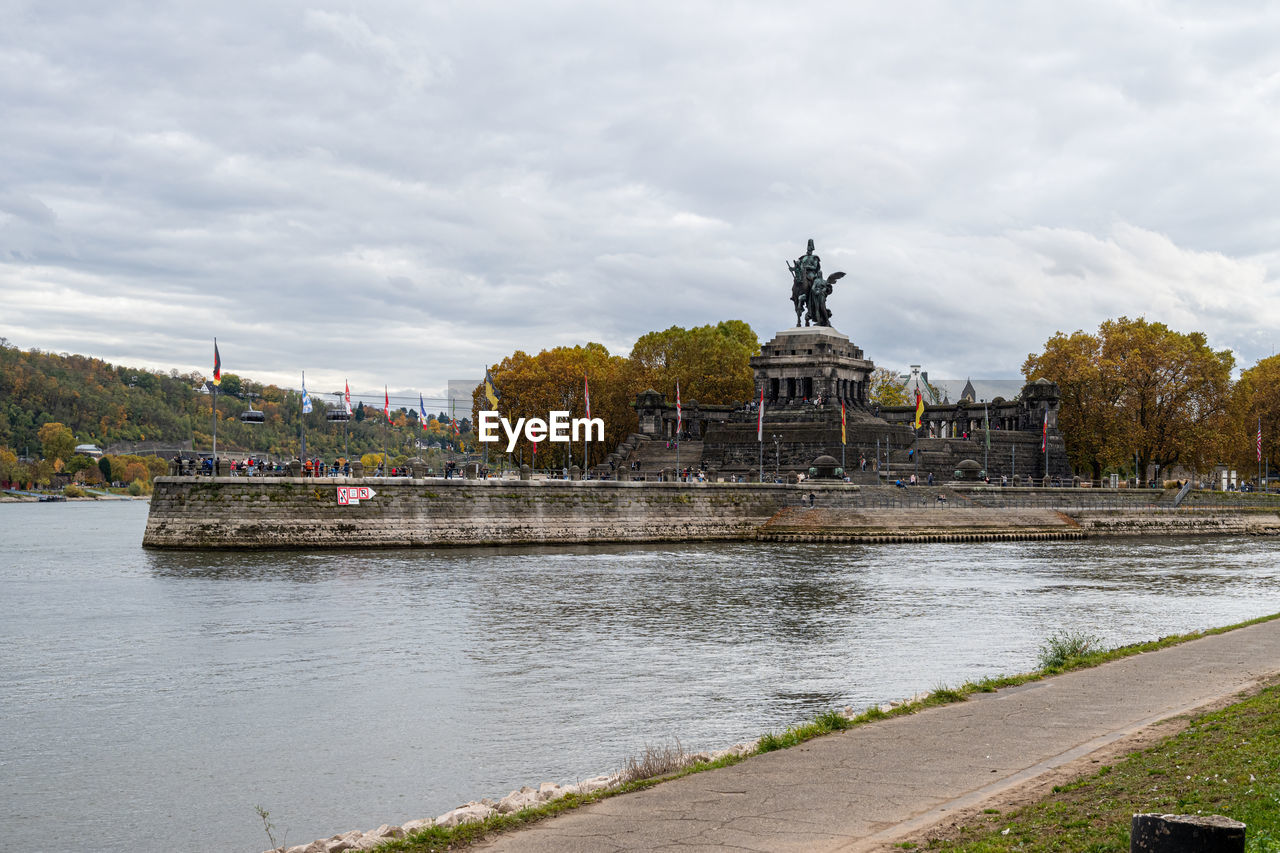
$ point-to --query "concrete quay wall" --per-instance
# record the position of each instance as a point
(263, 512)
(266, 512)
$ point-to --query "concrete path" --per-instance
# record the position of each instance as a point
(861, 789)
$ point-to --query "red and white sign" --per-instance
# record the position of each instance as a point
(349, 495)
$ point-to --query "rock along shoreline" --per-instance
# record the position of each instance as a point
(523, 798)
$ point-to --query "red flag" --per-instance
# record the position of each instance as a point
(1044, 432)
(679, 411)
(346, 397)
(217, 364)
(842, 423)
(1259, 439)
(919, 408)
(386, 403)
(760, 417)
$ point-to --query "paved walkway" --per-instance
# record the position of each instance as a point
(861, 789)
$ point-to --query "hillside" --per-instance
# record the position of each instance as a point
(107, 404)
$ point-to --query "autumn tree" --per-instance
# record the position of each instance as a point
(711, 363)
(886, 388)
(1090, 419)
(1137, 389)
(56, 441)
(553, 380)
(1255, 404)
(8, 465)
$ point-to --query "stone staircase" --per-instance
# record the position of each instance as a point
(654, 456)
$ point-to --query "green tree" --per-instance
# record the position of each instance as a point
(231, 385)
(56, 441)
(104, 465)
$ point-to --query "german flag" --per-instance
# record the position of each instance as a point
(842, 438)
(217, 364)
(919, 408)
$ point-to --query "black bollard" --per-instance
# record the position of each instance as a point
(1177, 833)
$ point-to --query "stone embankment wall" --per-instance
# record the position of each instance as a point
(1195, 521)
(261, 512)
(921, 525)
(236, 512)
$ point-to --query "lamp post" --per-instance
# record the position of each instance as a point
(777, 454)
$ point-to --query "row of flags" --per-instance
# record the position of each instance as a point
(491, 394)
(346, 394)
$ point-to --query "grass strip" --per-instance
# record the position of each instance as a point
(1226, 762)
(438, 838)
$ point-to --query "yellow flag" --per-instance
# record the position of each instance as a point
(490, 392)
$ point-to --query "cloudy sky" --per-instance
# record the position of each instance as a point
(402, 193)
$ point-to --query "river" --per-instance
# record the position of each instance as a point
(151, 699)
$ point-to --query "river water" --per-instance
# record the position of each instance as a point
(151, 699)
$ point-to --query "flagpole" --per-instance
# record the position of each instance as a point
(217, 369)
(1259, 451)
(679, 418)
(303, 419)
(760, 430)
(1045, 439)
(986, 428)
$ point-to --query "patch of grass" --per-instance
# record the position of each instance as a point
(655, 762)
(1225, 762)
(944, 695)
(1064, 647)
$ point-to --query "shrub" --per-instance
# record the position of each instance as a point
(1066, 646)
(71, 490)
(656, 761)
(138, 487)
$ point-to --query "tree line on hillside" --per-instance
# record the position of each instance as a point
(104, 404)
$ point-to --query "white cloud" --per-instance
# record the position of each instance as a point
(404, 194)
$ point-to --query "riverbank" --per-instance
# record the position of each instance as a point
(478, 821)
(1223, 762)
(199, 513)
(913, 771)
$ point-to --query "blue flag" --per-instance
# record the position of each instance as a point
(422, 410)
(306, 398)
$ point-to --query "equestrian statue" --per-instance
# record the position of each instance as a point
(809, 289)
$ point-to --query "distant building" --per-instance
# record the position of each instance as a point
(91, 450)
(942, 391)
